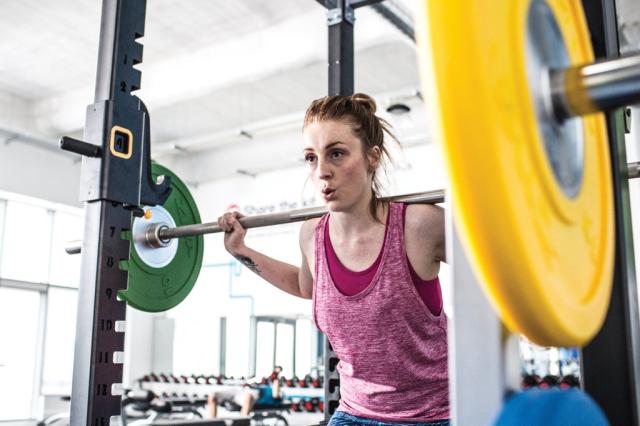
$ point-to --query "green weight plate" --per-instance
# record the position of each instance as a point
(161, 278)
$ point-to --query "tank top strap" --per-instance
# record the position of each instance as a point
(396, 223)
(319, 254)
(395, 218)
(322, 223)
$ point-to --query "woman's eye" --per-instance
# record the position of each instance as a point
(309, 158)
(336, 154)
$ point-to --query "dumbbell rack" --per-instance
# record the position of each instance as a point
(202, 390)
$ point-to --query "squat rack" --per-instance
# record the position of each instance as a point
(116, 181)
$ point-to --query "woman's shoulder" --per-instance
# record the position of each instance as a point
(423, 217)
(309, 226)
(307, 230)
(424, 230)
(307, 238)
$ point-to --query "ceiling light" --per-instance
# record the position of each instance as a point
(398, 108)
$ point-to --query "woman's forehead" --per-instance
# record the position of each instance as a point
(323, 133)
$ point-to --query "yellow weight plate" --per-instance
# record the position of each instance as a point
(543, 254)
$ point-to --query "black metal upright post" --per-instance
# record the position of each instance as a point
(115, 182)
(340, 20)
(610, 362)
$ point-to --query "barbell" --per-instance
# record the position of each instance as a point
(162, 271)
(527, 158)
(158, 234)
(167, 244)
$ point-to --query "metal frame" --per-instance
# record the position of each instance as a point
(476, 383)
(222, 347)
(340, 20)
(40, 349)
(114, 186)
(3, 219)
(253, 339)
(617, 345)
(341, 82)
(94, 372)
(391, 10)
(397, 16)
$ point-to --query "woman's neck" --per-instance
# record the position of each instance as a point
(358, 219)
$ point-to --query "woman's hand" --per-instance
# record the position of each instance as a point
(233, 231)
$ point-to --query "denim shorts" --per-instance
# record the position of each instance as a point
(340, 418)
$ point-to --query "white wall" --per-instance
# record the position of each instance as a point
(14, 112)
(37, 172)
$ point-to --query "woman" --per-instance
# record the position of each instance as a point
(371, 269)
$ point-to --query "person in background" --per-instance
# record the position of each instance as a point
(248, 396)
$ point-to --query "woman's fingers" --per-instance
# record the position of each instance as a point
(229, 221)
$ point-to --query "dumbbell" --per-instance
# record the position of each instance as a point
(548, 381)
(530, 381)
(569, 381)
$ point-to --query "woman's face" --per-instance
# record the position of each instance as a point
(340, 171)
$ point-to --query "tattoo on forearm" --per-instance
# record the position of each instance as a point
(246, 261)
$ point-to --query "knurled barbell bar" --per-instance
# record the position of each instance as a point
(158, 234)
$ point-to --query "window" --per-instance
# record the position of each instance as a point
(264, 348)
(64, 269)
(59, 341)
(287, 342)
(284, 348)
(38, 302)
(305, 341)
(19, 336)
(26, 242)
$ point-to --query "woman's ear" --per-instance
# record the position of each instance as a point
(374, 156)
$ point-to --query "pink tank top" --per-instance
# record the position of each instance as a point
(351, 282)
(392, 349)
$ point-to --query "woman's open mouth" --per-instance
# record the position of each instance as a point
(329, 194)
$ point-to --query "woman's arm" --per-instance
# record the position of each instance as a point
(280, 274)
(425, 239)
(307, 247)
(289, 278)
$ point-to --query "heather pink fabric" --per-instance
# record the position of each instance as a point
(392, 349)
(352, 282)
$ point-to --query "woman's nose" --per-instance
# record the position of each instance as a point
(323, 170)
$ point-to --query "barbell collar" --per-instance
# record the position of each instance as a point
(633, 170)
(152, 236)
(597, 87)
